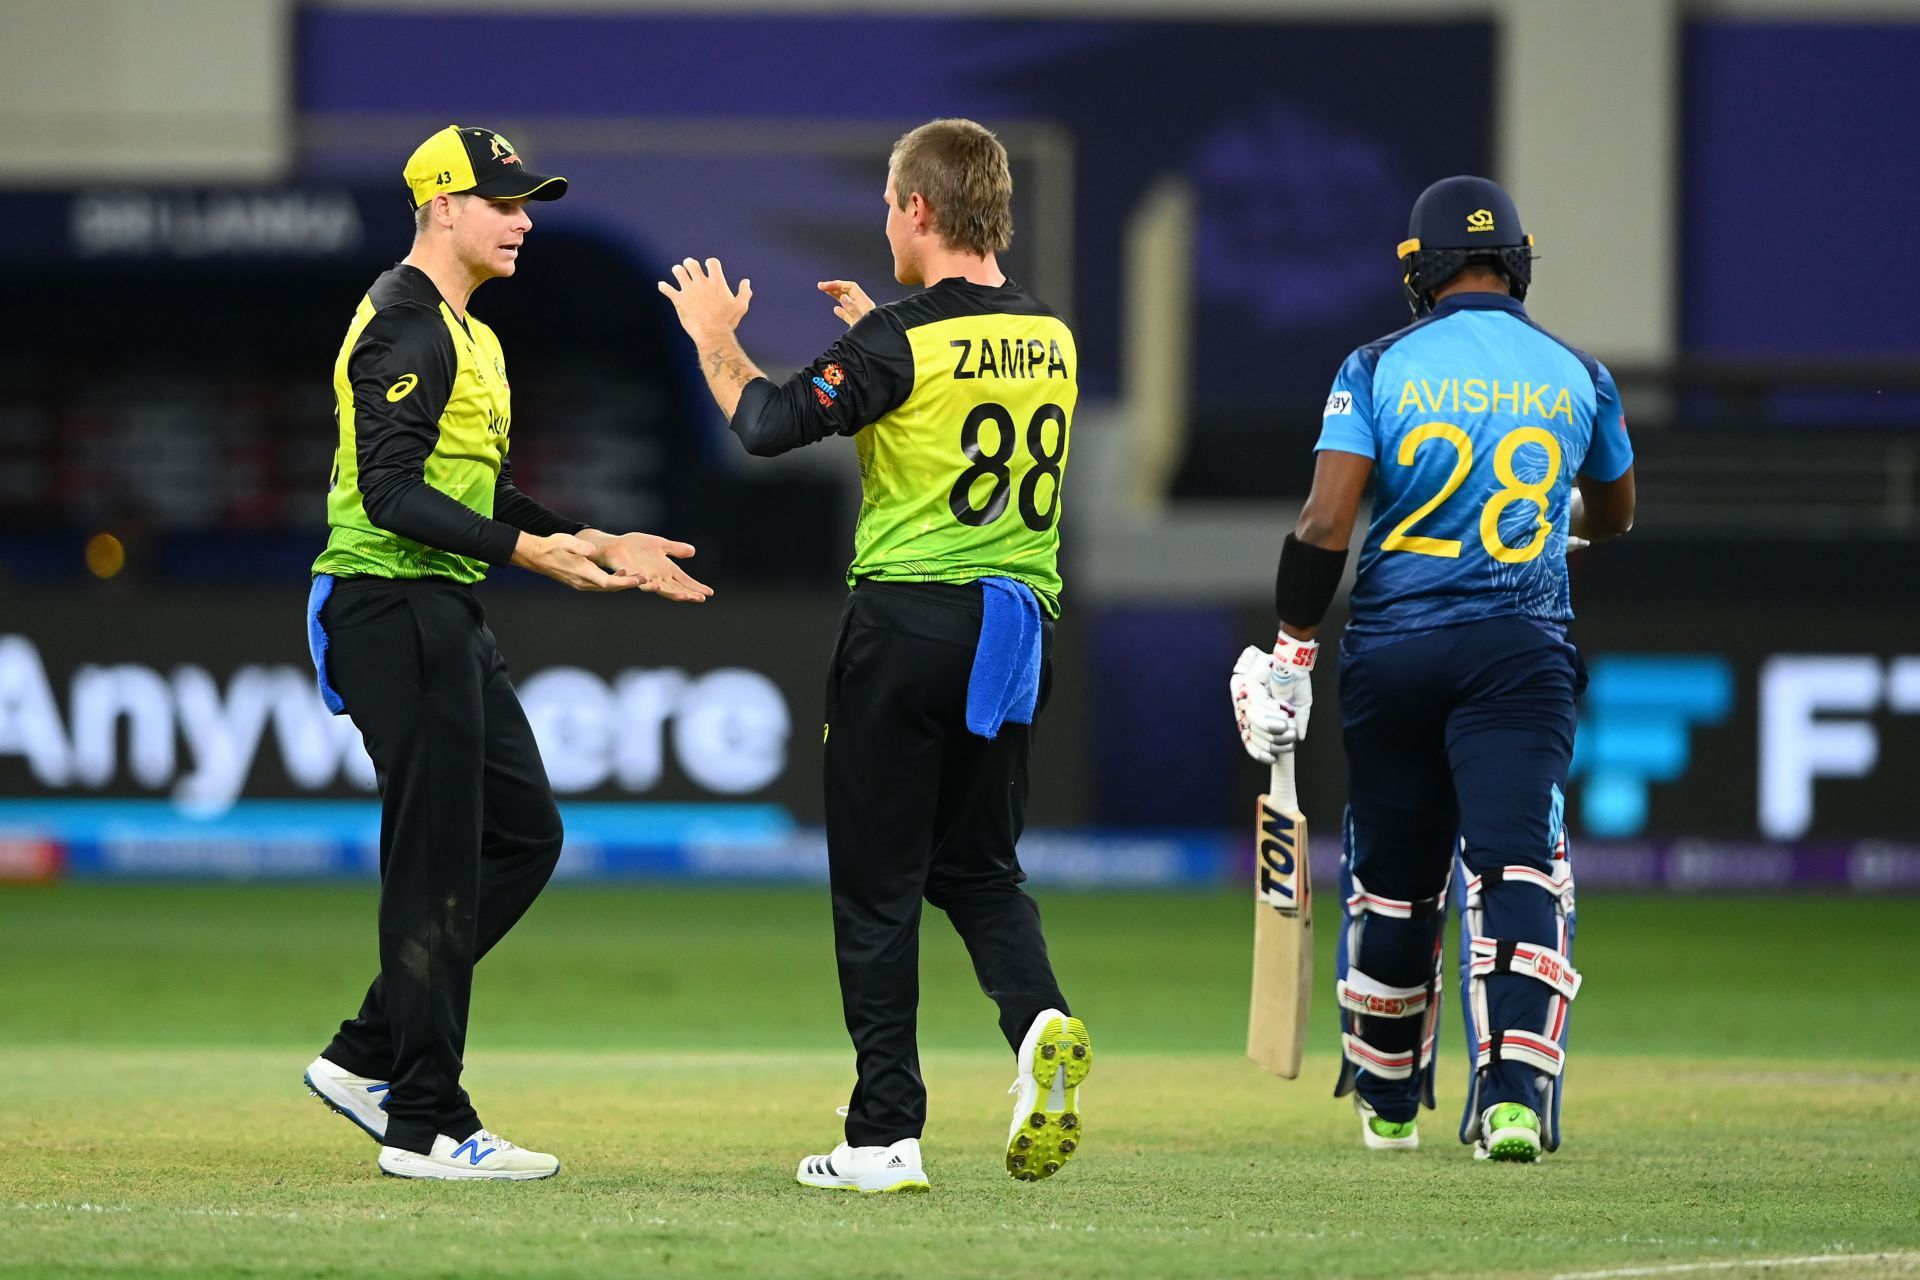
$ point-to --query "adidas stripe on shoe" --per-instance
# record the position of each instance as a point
(875, 1170)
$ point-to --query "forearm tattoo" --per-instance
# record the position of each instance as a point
(730, 367)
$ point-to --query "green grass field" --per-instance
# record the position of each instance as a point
(1743, 1088)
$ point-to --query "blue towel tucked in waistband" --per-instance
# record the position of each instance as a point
(1005, 683)
(317, 641)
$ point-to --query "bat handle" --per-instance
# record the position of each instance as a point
(1280, 787)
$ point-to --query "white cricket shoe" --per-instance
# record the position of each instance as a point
(871, 1169)
(1385, 1135)
(1054, 1058)
(360, 1099)
(484, 1155)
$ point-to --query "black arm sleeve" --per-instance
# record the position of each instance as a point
(394, 435)
(862, 378)
(515, 508)
(1305, 583)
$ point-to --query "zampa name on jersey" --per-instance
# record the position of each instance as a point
(1478, 395)
(1008, 358)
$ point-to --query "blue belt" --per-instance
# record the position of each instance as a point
(317, 641)
(1005, 684)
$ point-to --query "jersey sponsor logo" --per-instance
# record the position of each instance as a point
(1008, 358)
(834, 373)
(1338, 404)
(403, 388)
(824, 389)
(1479, 395)
(1480, 220)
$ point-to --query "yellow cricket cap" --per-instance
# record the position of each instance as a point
(479, 161)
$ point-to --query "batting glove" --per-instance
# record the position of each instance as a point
(1273, 696)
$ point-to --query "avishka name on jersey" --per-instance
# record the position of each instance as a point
(1482, 395)
(1478, 422)
(1008, 358)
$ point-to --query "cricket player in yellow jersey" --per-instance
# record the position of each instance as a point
(960, 400)
(421, 502)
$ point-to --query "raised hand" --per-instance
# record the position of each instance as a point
(850, 300)
(706, 304)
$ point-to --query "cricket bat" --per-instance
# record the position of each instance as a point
(1282, 928)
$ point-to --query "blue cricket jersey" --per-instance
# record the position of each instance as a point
(1477, 421)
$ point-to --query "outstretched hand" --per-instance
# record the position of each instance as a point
(569, 560)
(850, 300)
(648, 560)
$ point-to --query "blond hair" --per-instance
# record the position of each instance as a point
(423, 216)
(960, 170)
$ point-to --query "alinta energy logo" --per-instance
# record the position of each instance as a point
(1637, 729)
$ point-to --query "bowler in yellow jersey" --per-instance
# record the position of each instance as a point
(960, 401)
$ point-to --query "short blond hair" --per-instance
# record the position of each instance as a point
(423, 216)
(960, 170)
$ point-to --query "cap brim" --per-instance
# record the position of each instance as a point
(515, 185)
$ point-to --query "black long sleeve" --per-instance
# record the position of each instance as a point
(860, 379)
(402, 370)
(515, 508)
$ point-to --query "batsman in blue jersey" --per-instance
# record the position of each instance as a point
(1493, 447)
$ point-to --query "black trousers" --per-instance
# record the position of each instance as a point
(469, 832)
(919, 809)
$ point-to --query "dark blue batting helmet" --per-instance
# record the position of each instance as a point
(1458, 221)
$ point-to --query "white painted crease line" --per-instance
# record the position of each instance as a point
(1737, 1264)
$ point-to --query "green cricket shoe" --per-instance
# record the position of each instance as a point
(1385, 1135)
(1510, 1132)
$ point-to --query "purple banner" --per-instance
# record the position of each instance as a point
(1794, 138)
(1706, 866)
(1303, 153)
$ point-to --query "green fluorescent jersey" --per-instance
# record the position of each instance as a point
(960, 400)
(420, 471)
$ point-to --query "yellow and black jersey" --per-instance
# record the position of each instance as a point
(421, 485)
(959, 399)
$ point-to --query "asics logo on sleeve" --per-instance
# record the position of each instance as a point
(402, 389)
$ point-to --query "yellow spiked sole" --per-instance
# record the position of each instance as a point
(1051, 1133)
